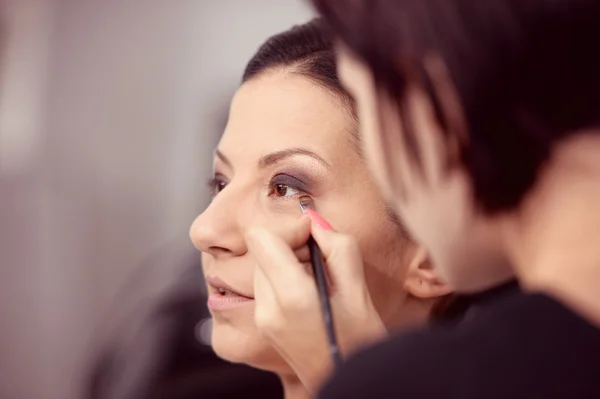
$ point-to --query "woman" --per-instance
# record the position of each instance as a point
(292, 131)
(482, 128)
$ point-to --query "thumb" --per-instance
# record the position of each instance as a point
(341, 253)
(295, 233)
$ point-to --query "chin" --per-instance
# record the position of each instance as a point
(246, 346)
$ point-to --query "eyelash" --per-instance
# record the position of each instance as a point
(213, 184)
(218, 183)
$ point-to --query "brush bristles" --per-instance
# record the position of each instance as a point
(306, 203)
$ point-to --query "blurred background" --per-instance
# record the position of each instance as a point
(109, 112)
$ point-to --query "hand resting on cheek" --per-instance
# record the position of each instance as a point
(287, 309)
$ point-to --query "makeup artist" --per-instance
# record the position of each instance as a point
(481, 125)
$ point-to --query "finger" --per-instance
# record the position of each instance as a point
(263, 292)
(295, 233)
(265, 303)
(276, 259)
(342, 256)
(302, 254)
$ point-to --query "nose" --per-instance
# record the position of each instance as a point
(217, 230)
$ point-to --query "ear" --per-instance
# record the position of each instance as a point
(421, 278)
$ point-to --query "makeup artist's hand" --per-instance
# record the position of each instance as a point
(288, 310)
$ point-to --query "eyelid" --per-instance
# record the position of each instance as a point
(290, 181)
(286, 179)
(220, 178)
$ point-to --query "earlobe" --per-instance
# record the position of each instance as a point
(422, 280)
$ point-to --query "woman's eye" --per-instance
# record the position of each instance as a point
(283, 190)
(219, 186)
(285, 187)
(216, 185)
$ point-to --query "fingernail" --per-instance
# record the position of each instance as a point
(315, 217)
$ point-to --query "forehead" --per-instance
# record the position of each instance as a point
(282, 109)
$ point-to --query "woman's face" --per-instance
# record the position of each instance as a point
(287, 137)
(435, 204)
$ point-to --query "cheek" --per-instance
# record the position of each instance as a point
(269, 212)
(238, 341)
(382, 248)
(383, 255)
(385, 273)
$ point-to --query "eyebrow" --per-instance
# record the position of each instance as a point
(223, 158)
(279, 156)
(276, 157)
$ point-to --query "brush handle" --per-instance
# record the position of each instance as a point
(318, 268)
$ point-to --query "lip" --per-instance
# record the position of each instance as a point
(216, 283)
(218, 301)
(221, 302)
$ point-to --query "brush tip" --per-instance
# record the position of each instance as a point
(305, 203)
(305, 198)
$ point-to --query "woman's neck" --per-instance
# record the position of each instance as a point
(555, 239)
(293, 388)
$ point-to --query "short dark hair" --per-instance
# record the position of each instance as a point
(308, 51)
(525, 71)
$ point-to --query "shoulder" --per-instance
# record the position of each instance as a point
(487, 356)
(403, 365)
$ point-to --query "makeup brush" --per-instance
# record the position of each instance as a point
(316, 259)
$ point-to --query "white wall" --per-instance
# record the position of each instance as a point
(118, 154)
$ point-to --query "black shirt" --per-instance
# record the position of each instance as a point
(520, 346)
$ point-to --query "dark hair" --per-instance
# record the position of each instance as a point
(525, 73)
(306, 50)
